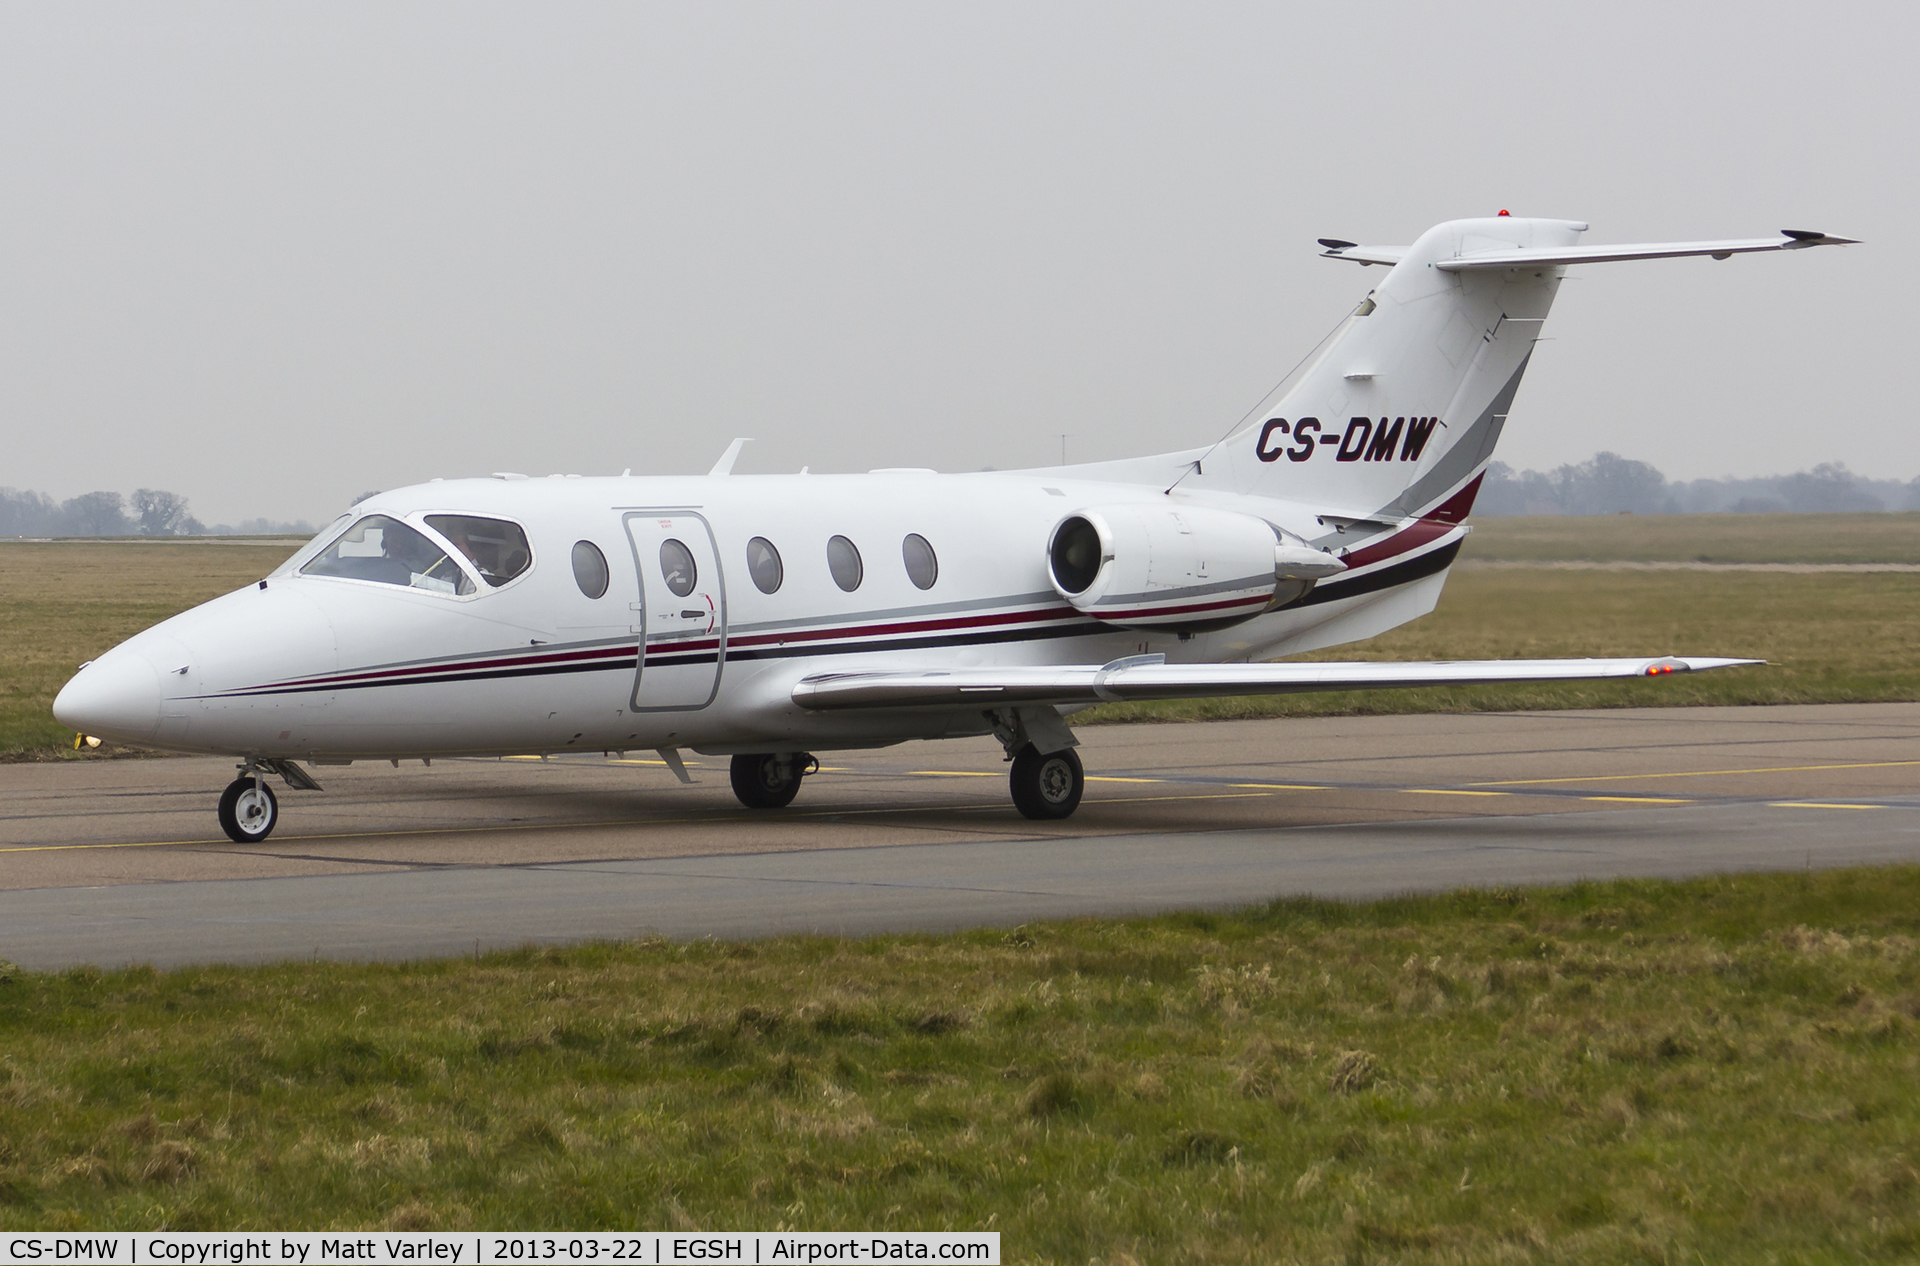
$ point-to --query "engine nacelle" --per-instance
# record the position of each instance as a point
(1180, 568)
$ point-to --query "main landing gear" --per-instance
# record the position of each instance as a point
(1046, 779)
(1046, 787)
(771, 780)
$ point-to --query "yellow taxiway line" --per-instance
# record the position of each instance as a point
(1700, 773)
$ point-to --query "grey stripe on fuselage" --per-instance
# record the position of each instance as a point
(895, 613)
(1474, 447)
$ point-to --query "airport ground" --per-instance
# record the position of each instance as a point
(115, 862)
(1622, 1069)
(1717, 1069)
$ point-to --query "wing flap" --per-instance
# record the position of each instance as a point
(1124, 681)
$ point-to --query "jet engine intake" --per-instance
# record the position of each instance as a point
(1179, 568)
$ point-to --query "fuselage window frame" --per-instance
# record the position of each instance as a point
(680, 571)
(923, 565)
(767, 570)
(596, 569)
(844, 563)
(465, 586)
(322, 540)
(490, 582)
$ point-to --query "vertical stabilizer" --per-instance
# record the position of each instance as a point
(1403, 409)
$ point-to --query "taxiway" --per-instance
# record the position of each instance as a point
(113, 862)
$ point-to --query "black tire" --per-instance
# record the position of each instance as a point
(252, 821)
(767, 780)
(1047, 787)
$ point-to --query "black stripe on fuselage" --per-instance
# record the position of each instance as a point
(1333, 591)
(1386, 578)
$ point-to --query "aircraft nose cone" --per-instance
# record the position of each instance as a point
(116, 696)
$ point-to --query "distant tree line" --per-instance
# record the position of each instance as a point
(148, 512)
(1608, 483)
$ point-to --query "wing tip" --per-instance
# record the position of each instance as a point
(1694, 664)
(1813, 237)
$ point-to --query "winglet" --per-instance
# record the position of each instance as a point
(725, 465)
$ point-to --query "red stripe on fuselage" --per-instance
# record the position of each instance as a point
(1138, 613)
(905, 626)
(1431, 526)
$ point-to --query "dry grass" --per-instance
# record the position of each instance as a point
(1829, 638)
(1717, 1070)
(1708, 538)
(62, 603)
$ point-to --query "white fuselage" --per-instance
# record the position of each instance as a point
(326, 668)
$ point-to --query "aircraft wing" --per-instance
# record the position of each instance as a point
(1145, 677)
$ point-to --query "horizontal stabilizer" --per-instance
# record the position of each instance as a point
(1361, 254)
(1518, 257)
(1124, 680)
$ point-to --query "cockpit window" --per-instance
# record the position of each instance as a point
(323, 538)
(388, 552)
(497, 548)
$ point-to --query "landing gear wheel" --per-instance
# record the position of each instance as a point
(248, 810)
(1048, 786)
(770, 780)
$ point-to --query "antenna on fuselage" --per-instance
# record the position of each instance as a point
(725, 465)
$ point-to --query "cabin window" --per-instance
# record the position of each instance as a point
(590, 569)
(763, 564)
(843, 560)
(922, 567)
(676, 565)
(388, 552)
(497, 549)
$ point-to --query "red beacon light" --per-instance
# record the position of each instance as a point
(1504, 211)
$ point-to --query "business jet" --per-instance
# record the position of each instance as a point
(767, 618)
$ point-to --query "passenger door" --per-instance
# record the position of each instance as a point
(681, 619)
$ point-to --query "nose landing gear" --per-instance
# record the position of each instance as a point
(248, 809)
(771, 780)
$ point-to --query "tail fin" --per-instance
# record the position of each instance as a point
(1400, 414)
(1404, 407)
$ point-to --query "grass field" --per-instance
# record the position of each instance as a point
(1719, 1070)
(1710, 538)
(63, 603)
(1828, 637)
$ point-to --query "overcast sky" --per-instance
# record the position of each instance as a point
(271, 256)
